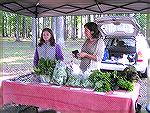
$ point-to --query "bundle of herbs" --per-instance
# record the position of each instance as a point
(45, 67)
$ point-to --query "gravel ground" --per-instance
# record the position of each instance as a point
(143, 100)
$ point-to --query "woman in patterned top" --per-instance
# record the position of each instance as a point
(47, 48)
(93, 48)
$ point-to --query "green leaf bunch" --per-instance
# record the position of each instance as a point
(106, 81)
(101, 81)
(125, 84)
(45, 67)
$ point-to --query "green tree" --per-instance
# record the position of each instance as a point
(141, 19)
(148, 27)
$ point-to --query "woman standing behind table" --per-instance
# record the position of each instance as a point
(93, 48)
(47, 48)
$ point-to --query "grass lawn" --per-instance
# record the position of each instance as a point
(17, 57)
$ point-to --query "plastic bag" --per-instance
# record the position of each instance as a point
(59, 74)
(74, 75)
(86, 83)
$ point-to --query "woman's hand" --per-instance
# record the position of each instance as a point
(82, 55)
(85, 55)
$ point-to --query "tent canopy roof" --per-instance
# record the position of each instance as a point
(38, 8)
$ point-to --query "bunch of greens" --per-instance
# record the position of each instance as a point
(45, 67)
(131, 74)
(106, 81)
(101, 81)
(127, 78)
(125, 84)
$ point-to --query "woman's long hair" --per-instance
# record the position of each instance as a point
(51, 40)
(93, 27)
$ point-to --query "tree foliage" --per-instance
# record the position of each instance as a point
(74, 24)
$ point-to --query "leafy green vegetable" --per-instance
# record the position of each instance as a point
(98, 80)
(124, 84)
(131, 73)
(45, 67)
(101, 81)
(106, 81)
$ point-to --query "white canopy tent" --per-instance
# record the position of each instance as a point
(44, 8)
(41, 8)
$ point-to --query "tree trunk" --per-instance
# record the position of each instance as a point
(26, 31)
(10, 29)
(54, 26)
(88, 18)
(17, 28)
(75, 28)
(81, 28)
(44, 22)
(34, 35)
(23, 27)
(67, 33)
(48, 22)
(70, 26)
(65, 28)
(3, 34)
(6, 27)
(60, 31)
(38, 27)
(94, 17)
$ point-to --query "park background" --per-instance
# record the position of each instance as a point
(20, 34)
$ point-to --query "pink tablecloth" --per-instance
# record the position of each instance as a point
(70, 100)
(1, 96)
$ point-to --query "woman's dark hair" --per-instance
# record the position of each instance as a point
(93, 27)
(51, 40)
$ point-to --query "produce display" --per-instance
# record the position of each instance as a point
(45, 67)
(107, 81)
(101, 81)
